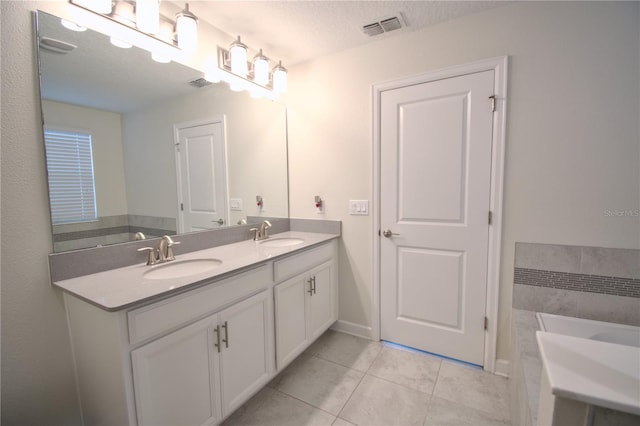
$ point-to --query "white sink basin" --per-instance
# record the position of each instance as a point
(181, 268)
(281, 242)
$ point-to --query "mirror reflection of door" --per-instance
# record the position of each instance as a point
(202, 175)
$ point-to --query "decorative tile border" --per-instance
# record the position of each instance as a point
(628, 287)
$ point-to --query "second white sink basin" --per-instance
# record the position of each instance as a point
(281, 242)
(181, 268)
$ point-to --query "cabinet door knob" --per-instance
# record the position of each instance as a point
(226, 334)
(314, 284)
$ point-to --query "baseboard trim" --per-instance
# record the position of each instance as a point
(503, 367)
(352, 328)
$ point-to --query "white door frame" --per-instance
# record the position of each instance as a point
(176, 133)
(499, 66)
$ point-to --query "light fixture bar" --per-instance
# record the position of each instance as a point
(257, 72)
(121, 11)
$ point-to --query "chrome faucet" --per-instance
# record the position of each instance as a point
(261, 233)
(164, 252)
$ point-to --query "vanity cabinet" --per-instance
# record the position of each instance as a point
(305, 304)
(202, 372)
(195, 356)
(190, 359)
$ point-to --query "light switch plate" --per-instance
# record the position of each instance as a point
(235, 204)
(359, 207)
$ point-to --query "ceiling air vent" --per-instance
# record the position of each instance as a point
(383, 25)
(200, 82)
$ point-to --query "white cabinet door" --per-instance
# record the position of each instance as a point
(175, 377)
(245, 360)
(291, 319)
(305, 308)
(321, 300)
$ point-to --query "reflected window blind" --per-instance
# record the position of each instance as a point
(70, 169)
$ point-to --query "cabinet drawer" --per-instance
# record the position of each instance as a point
(154, 319)
(299, 263)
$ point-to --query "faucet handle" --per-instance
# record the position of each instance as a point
(264, 229)
(256, 235)
(170, 255)
(169, 250)
(151, 258)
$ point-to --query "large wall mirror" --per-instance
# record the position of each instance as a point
(168, 152)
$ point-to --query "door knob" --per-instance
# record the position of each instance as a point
(219, 221)
(387, 233)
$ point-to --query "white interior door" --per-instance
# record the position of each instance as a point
(435, 173)
(202, 176)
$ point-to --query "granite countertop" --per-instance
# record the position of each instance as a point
(121, 288)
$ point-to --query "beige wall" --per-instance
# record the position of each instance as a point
(106, 141)
(572, 144)
(38, 384)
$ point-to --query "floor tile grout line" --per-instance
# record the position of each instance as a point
(351, 396)
(306, 403)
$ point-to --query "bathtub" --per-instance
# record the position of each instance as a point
(590, 363)
(620, 334)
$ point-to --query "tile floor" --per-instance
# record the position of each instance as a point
(344, 380)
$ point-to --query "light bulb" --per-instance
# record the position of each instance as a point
(159, 58)
(72, 26)
(120, 43)
(238, 56)
(187, 30)
(279, 78)
(148, 16)
(261, 69)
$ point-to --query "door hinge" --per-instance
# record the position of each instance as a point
(181, 207)
(493, 103)
(486, 323)
(177, 146)
(490, 217)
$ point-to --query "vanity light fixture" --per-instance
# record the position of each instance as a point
(145, 18)
(148, 16)
(253, 76)
(238, 58)
(187, 29)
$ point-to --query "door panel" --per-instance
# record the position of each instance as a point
(434, 195)
(202, 177)
(424, 273)
(439, 168)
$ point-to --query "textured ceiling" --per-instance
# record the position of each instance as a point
(295, 31)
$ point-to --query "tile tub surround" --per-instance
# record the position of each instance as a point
(109, 230)
(526, 369)
(586, 282)
(347, 380)
(77, 263)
